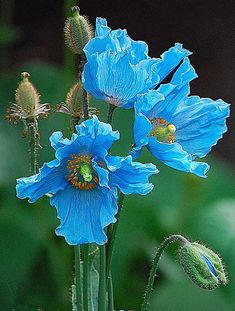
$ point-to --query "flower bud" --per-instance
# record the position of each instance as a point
(27, 104)
(26, 95)
(73, 104)
(78, 31)
(202, 265)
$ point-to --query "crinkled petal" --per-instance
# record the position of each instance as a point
(85, 214)
(57, 140)
(50, 179)
(94, 137)
(142, 127)
(115, 80)
(200, 123)
(130, 177)
(103, 174)
(173, 92)
(116, 41)
(174, 156)
(171, 59)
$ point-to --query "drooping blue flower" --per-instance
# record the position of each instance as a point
(177, 128)
(118, 68)
(83, 180)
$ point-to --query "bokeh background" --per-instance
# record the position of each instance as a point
(35, 265)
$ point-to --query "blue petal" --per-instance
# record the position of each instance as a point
(57, 140)
(50, 179)
(174, 156)
(173, 92)
(171, 59)
(114, 78)
(84, 214)
(209, 265)
(200, 123)
(142, 127)
(115, 41)
(103, 174)
(102, 28)
(94, 138)
(130, 177)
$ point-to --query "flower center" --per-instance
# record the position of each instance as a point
(163, 130)
(81, 174)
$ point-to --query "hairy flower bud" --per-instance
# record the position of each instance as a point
(73, 103)
(202, 265)
(78, 31)
(27, 104)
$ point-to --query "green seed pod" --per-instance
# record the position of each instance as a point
(26, 95)
(202, 265)
(78, 31)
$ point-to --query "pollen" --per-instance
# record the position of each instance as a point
(162, 130)
(81, 174)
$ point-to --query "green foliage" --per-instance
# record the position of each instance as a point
(35, 265)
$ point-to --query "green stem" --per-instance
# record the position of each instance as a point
(85, 105)
(86, 277)
(33, 133)
(78, 278)
(161, 249)
(110, 292)
(110, 114)
(102, 280)
(113, 232)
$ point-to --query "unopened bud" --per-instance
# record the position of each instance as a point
(78, 31)
(202, 265)
(73, 105)
(27, 104)
(26, 95)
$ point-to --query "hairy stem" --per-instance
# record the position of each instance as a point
(152, 275)
(33, 135)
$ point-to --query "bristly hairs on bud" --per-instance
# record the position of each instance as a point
(78, 31)
(27, 106)
(28, 109)
(73, 105)
(203, 266)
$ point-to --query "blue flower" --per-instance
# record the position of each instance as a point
(118, 68)
(177, 128)
(83, 180)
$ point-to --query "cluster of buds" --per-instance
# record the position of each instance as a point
(27, 107)
(203, 266)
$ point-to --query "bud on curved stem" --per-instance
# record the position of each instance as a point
(202, 265)
(161, 249)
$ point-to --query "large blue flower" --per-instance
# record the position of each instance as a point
(118, 68)
(83, 180)
(177, 128)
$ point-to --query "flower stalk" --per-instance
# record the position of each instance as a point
(152, 275)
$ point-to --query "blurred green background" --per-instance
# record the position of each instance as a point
(35, 265)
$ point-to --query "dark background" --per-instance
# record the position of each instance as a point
(35, 265)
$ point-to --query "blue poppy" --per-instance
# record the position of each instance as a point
(118, 68)
(83, 180)
(177, 128)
